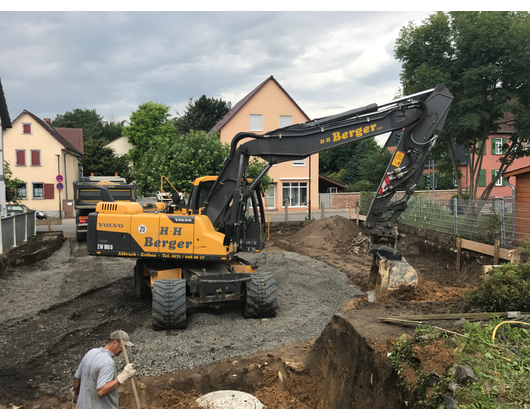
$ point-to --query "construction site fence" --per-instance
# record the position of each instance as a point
(486, 221)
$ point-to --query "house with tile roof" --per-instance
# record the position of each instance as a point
(5, 123)
(120, 145)
(47, 159)
(266, 108)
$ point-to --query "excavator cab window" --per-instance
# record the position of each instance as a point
(199, 194)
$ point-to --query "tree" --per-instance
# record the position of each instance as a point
(201, 115)
(148, 126)
(255, 167)
(343, 164)
(372, 169)
(12, 185)
(112, 130)
(484, 60)
(180, 159)
(87, 119)
(100, 160)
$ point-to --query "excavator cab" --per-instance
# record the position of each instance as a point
(250, 234)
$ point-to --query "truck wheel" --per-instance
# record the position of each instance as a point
(169, 304)
(261, 300)
(81, 236)
(143, 290)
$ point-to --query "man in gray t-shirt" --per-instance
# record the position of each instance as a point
(95, 382)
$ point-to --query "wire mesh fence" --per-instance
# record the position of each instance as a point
(496, 219)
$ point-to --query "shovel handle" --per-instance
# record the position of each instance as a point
(135, 392)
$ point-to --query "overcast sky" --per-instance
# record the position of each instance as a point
(329, 62)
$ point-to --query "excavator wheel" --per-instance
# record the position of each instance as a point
(261, 300)
(169, 304)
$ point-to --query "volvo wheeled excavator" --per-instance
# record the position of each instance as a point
(187, 253)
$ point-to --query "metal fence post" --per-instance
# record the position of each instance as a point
(322, 211)
(286, 210)
(455, 210)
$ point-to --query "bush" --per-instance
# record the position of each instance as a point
(505, 288)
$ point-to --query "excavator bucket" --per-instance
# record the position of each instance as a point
(393, 274)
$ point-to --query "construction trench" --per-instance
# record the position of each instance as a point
(58, 302)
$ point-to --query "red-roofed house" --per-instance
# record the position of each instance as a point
(264, 109)
(38, 154)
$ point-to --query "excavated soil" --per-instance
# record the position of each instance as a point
(346, 366)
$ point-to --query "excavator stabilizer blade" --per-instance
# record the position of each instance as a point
(395, 274)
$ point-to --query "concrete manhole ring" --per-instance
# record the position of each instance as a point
(229, 400)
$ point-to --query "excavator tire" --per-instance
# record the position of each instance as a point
(141, 288)
(261, 300)
(169, 304)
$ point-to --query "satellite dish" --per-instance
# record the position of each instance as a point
(229, 105)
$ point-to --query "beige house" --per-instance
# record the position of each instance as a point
(120, 145)
(47, 160)
(267, 108)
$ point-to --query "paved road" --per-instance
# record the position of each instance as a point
(68, 225)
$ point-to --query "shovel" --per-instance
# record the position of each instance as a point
(132, 379)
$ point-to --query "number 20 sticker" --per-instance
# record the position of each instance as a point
(142, 229)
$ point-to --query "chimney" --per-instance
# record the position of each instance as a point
(48, 121)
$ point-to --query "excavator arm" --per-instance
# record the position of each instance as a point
(419, 122)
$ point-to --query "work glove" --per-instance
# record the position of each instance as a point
(127, 372)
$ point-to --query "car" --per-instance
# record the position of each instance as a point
(22, 208)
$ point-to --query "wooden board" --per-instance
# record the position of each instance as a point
(505, 254)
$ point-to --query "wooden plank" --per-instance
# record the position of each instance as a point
(496, 253)
(440, 317)
(505, 254)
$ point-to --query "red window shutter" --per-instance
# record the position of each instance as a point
(49, 191)
(26, 128)
(35, 158)
(21, 157)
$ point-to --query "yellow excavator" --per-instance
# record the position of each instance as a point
(187, 253)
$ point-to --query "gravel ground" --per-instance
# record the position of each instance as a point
(309, 293)
(58, 309)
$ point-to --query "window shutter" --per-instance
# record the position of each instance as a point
(493, 145)
(493, 174)
(49, 191)
(35, 158)
(26, 128)
(21, 157)
(479, 145)
(482, 178)
(255, 122)
(286, 120)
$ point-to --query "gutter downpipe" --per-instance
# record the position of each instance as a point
(513, 210)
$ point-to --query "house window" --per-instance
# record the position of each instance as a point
(501, 182)
(38, 190)
(300, 162)
(269, 196)
(26, 128)
(255, 122)
(497, 144)
(294, 194)
(21, 157)
(286, 120)
(332, 190)
(22, 191)
(35, 158)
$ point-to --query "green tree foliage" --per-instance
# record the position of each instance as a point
(87, 119)
(100, 160)
(11, 185)
(255, 167)
(350, 164)
(201, 115)
(149, 126)
(180, 159)
(484, 60)
(112, 130)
